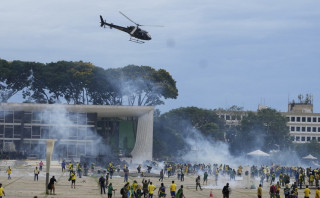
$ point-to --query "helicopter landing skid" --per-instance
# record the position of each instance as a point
(136, 40)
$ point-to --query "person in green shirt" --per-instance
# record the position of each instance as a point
(205, 178)
(180, 193)
(110, 189)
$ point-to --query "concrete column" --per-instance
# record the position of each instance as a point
(144, 140)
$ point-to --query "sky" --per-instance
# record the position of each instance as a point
(220, 52)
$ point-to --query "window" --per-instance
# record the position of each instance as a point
(318, 129)
(18, 115)
(303, 138)
(27, 132)
(297, 128)
(309, 119)
(227, 117)
(303, 119)
(36, 132)
(297, 138)
(17, 131)
(27, 117)
(318, 139)
(293, 119)
(314, 119)
(1, 116)
(36, 117)
(8, 116)
(313, 138)
(8, 131)
(308, 129)
(303, 129)
(298, 119)
(308, 139)
(1, 130)
(314, 129)
(318, 119)
(292, 128)
(44, 132)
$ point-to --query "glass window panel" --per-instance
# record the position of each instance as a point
(1, 116)
(17, 131)
(8, 116)
(27, 117)
(27, 132)
(8, 132)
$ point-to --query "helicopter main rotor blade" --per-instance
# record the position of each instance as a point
(152, 25)
(129, 19)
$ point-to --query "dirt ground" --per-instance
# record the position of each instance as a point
(22, 184)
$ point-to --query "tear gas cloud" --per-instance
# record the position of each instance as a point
(200, 149)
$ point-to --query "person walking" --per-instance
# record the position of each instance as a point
(259, 191)
(36, 174)
(63, 166)
(73, 179)
(182, 175)
(272, 191)
(2, 193)
(205, 178)
(317, 194)
(306, 192)
(161, 175)
(180, 193)
(126, 174)
(173, 188)
(286, 191)
(198, 183)
(9, 171)
(51, 185)
(102, 184)
(226, 191)
(162, 191)
(41, 165)
(110, 189)
(151, 189)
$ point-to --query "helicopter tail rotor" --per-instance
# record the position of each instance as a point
(102, 22)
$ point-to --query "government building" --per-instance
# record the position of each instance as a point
(78, 130)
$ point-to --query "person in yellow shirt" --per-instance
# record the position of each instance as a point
(306, 192)
(259, 193)
(9, 171)
(151, 189)
(317, 193)
(2, 193)
(173, 188)
(73, 179)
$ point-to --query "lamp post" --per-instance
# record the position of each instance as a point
(50, 145)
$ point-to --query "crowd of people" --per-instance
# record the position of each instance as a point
(279, 179)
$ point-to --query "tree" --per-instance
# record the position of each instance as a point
(267, 129)
(14, 76)
(172, 128)
(143, 85)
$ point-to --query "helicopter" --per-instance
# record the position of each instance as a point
(137, 35)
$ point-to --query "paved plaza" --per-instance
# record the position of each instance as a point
(22, 184)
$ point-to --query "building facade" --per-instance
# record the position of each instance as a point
(77, 129)
(304, 125)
